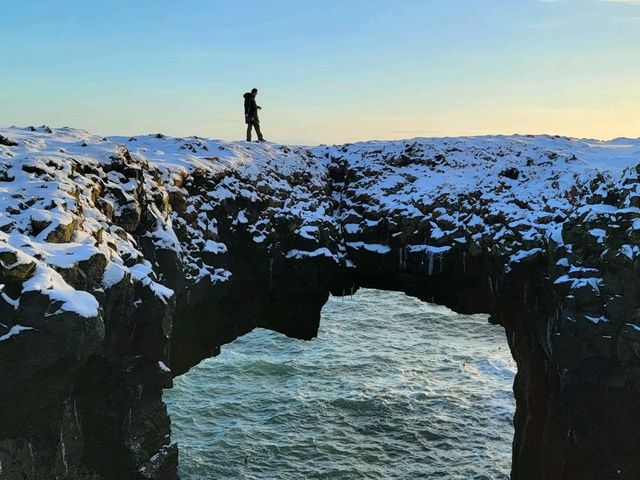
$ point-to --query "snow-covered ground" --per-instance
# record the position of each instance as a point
(512, 189)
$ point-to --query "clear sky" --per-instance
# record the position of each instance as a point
(328, 71)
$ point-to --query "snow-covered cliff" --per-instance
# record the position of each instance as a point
(125, 261)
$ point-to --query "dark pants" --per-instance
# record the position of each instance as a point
(255, 124)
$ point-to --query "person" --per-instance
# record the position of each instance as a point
(251, 114)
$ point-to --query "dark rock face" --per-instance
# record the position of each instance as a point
(121, 268)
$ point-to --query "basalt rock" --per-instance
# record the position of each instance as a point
(126, 261)
(7, 141)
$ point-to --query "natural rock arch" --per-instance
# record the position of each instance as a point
(125, 261)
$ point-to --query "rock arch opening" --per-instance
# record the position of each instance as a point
(392, 388)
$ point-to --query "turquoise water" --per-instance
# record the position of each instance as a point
(392, 388)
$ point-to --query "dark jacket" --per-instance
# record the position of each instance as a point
(250, 108)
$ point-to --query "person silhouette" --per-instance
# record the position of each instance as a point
(251, 114)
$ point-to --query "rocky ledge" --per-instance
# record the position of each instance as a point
(126, 261)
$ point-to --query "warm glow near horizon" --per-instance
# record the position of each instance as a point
(328, 72)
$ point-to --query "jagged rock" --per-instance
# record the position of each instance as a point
(62, 233)
(511, 172)
(13, 270)
(7, 142)
(4, 174)
(37, 226)
(177, 201)
(86, 274)
(105, 207)
(160, 465)
(128, 217)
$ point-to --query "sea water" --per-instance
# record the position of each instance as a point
(392, 388)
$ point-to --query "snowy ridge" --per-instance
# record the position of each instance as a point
(515, 190)
(282, 187)
(516, 198)
(75, 207)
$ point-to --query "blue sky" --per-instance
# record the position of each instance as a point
(328, 71)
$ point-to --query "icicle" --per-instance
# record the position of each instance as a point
(75, 412)
(270, 270)
(402, 258)
(464, 263)
(63, 452)
(490, 284)
(33, 463)
(430, 270)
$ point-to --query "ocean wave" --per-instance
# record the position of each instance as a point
(392, 389)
